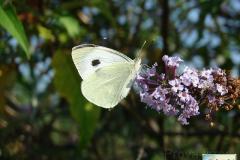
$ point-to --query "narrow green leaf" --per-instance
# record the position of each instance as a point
(11, 23)
(67, 82)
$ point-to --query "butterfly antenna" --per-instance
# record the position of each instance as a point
(140, 54)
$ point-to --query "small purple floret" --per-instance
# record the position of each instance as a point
(171, 61)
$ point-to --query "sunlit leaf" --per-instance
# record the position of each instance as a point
(10, 22)
(71, 25)
(45, 33)
(67, 82)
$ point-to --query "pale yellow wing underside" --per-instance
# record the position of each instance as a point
(109, 84)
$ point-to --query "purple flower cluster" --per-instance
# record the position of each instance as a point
(180, 95)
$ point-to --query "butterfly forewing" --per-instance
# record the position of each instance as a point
(88, 58)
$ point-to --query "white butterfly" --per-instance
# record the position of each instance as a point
(107, 74)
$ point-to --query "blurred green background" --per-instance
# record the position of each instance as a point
(42, 112)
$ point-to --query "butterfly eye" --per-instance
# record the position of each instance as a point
(95, 62)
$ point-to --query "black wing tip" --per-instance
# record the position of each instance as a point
(83, 45)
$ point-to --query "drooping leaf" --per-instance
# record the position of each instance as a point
(67, 82)
(10, 22)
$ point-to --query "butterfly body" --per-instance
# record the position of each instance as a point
(107, 74)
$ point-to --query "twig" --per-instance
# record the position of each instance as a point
(165, 24)
(140, 154)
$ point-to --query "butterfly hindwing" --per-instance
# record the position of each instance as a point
(108, 85)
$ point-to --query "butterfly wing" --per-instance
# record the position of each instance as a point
(109, 84)
(88, 58)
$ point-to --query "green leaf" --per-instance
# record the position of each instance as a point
(45, 33)
(67, 82)
(71, 25)
(11, 23)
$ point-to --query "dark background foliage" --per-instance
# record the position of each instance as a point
(42, 112)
